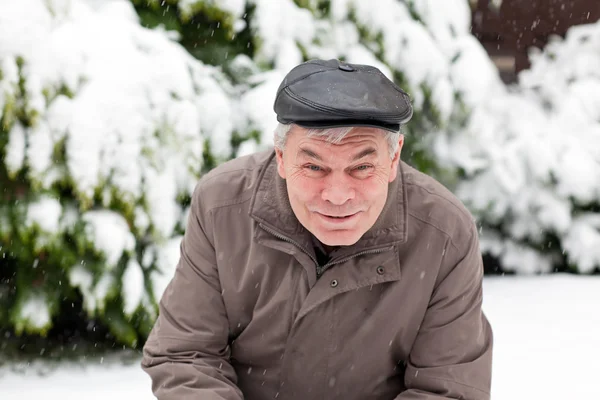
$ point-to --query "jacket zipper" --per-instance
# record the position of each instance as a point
(298, 245)
(322, 269)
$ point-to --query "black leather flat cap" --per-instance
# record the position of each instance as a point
(330, 93)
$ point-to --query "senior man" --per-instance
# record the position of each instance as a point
(326, 268)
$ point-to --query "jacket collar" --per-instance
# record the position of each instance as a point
(271, 208)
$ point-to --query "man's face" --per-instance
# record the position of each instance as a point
(337, 191)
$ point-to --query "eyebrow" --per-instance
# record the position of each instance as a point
(310, 154)
(365, 153)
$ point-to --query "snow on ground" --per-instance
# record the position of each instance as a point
(547, 336)
(547, 346)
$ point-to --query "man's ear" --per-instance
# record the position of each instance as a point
(396, 159)
(280, 166)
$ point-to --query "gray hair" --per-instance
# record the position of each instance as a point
(333, 135)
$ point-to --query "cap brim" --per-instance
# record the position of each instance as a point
(342, 124)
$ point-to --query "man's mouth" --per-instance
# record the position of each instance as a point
(337, 218)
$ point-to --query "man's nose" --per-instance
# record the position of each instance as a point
(338, 189)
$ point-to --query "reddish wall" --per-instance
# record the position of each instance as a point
(520, 24)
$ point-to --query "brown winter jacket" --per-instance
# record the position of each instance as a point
(395, 316)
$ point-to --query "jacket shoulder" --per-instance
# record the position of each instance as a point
(432, 203)
(231, 182)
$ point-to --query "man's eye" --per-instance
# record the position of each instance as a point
(363, 167)
(315, 168)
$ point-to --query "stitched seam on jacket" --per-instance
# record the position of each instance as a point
(436, 227)
(216, 175)
(225, 202)
(453, 381)
(289, 332)
(231, 202)
(441, 197)
(184, 339)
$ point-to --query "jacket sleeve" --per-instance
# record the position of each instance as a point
(187, 352)
(452, 354)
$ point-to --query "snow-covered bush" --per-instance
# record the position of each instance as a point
(531, 160)
(103, 126)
